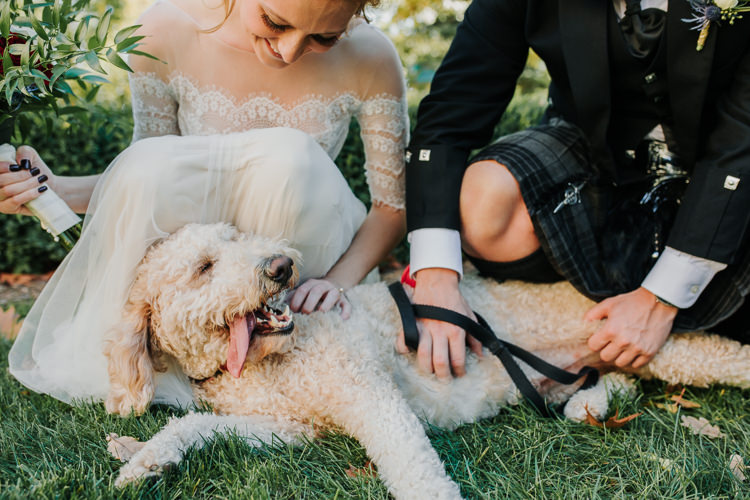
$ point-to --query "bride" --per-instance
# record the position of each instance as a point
(238, 120)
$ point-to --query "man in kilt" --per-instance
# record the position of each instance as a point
(635, 187)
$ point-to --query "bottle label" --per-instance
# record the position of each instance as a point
(54, 214)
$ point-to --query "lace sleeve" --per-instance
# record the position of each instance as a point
(384, 122)
(154, 107)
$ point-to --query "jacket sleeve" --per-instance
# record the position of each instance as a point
(469, 93)
(714, 217)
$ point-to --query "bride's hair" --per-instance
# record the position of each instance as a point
(361, 4)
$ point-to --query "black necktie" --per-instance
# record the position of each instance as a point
(642, 28)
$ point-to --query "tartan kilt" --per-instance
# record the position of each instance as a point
(602, 239)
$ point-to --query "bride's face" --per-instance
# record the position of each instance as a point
(282, 31)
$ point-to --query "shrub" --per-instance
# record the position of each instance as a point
(83, 144)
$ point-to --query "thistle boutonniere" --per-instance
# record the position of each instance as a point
(706, 12)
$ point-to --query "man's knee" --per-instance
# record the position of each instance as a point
(491, 205)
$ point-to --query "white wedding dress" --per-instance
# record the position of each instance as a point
(204, 152)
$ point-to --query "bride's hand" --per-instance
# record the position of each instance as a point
(22, 181)
(318, 295)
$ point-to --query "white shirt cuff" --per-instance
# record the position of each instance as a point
(435, 247)
(680, 278)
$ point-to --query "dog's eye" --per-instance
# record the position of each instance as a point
(205, 266)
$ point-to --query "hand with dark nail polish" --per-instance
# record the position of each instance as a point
(42, 178)
(34, 171)
(26, 164)
(14, 168)
(42, 189)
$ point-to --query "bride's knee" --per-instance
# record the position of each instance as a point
(297, 165)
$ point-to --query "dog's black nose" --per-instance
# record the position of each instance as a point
(280, 269)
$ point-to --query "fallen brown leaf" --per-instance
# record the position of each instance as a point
(737, 467)
(10, 323)
(367, 471)
(701, 426)
(612, 422)
(123, 447)
(671, 408)
(685, 403)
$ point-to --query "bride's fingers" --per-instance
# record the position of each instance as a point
(346, 307)
(313, 298)
(299, 295)
(332, 296)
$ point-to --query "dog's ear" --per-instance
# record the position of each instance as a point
(131, 371)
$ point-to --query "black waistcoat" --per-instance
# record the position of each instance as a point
(639, 98)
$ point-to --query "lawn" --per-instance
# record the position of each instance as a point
(51, 450)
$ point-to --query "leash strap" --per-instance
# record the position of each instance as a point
(505, 351)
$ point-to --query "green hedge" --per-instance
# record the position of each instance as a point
(84, 144)
(73, 145)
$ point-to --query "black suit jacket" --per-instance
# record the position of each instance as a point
(709, 95)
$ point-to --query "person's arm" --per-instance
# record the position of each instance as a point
(384, 125)
(153, 102)
(469, 94)
(712, 225)
(154, 113)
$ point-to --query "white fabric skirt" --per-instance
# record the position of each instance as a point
(275, 182)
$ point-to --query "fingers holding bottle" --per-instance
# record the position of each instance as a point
(22, 180)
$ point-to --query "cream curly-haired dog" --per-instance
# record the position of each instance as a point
(201, 297)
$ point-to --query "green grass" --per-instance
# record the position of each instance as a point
(51, 450)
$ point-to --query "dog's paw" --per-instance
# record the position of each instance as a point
(595, 400)
(144, 464)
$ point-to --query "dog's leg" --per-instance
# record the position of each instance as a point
(596, 399)
(378, 416)
(168, 446)
(701, 360)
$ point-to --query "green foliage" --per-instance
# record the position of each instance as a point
(82, 143)
(51, 450)
(44, 48)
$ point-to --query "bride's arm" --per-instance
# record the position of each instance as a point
(384, 123)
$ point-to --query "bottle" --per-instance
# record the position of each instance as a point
(53, 213)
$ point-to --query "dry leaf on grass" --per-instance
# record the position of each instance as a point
(123, 447)
(685, 403)
(367, 471)
(670, 407)
(10, 323)
(665, 463)
(737, 466)
(701, 426)
(612, 422)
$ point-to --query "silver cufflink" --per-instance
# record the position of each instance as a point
(424, 155)
(407, 157)
(731, 182)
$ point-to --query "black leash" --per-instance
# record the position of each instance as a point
(505, 351)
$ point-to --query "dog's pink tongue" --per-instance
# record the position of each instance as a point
(239, 341)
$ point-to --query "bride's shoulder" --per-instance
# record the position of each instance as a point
(367, 43)
(167, 28)
(372, 56)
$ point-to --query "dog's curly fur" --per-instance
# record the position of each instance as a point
(347, 375)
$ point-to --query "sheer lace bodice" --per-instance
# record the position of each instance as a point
(181, 107)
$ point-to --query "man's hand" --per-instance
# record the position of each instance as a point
(636, 327)
(442, 346)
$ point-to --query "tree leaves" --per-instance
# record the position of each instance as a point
(55, 37)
